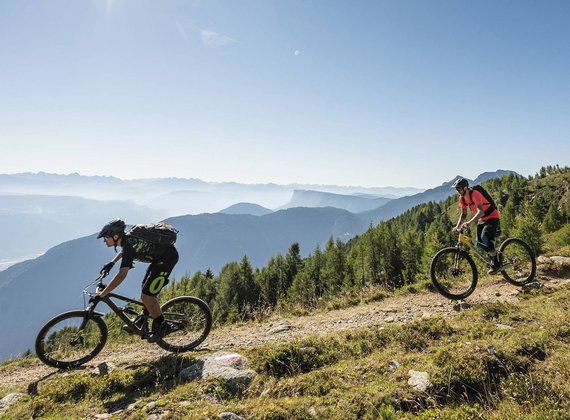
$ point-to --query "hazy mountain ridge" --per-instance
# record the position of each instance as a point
(37, 222)
(355, 203)
(155, 192)
(53, 208)
(247, 208)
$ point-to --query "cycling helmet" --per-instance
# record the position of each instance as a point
(460, 183)
(114, 227)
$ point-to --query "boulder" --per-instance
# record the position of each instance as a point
(231, 367)
(9, 400)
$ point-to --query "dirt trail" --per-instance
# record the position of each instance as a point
(398, 309)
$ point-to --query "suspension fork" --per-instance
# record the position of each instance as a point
(457, 256)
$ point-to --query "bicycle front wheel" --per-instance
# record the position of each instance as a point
(191, 321)
(453, 273)
(519, 260)
(71, 339)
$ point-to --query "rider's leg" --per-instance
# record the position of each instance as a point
(488, 234)
(151, 304)
(155, 279)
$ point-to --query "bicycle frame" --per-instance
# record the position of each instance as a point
(120, 312)
(468, 242)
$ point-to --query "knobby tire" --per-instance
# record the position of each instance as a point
(193, 319)
(453, 282)
(61, 343)
(518, 253)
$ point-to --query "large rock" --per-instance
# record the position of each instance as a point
(231, 367)
(8, 401)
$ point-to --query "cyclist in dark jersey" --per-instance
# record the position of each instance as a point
(487, 224)
(161, 260)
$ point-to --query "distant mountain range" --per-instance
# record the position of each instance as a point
(176, 196)
(35, 223)
(52, 208)
(53, 282)
(353, 203)
(247, 208)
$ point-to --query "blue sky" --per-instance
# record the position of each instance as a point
(369, 93)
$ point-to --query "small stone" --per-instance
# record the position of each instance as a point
(389, 319)
(461, 306)
(229, 416)
(149, 406)
(504, 327)
(419, 380)
(393, 365)
(281, 327)
(103, 369)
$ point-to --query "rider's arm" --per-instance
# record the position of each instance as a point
(476, 216)
(462, 217)
(117, 257)
(117, 280)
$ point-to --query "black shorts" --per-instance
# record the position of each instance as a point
(156, 276)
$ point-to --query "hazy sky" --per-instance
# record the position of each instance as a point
(370, 93)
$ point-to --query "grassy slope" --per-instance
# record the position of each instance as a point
(478, 368)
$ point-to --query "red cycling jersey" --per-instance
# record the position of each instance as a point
(478, 199)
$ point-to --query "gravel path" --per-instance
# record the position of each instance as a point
(397, 309)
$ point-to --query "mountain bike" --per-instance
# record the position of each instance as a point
(75, 337)
(454, 273)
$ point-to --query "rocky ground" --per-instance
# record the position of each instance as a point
(397, 309)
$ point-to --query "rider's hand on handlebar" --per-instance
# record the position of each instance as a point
(107, 267)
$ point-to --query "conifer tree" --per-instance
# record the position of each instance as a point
(553, 218)
(527, 227)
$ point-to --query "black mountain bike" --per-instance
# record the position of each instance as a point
(454, 273)
(75, 337)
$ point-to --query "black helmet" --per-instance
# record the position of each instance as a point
(114, 227)
(460, 183)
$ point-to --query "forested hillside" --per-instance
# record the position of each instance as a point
(393, 254)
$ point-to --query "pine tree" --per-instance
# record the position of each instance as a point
(553, 218)
(527, 228)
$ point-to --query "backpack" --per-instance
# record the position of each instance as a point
(161, 234)
(487, 196)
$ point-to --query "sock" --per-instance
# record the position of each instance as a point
(160, 319)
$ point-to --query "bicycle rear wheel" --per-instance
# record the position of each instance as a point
(519, 257)
(453, 273)
(71, 339)
(191, 320)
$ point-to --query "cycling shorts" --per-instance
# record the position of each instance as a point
(156, 276)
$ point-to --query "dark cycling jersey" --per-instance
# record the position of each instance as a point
(135, 249)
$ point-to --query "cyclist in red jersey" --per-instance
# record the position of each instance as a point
(486, 216)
